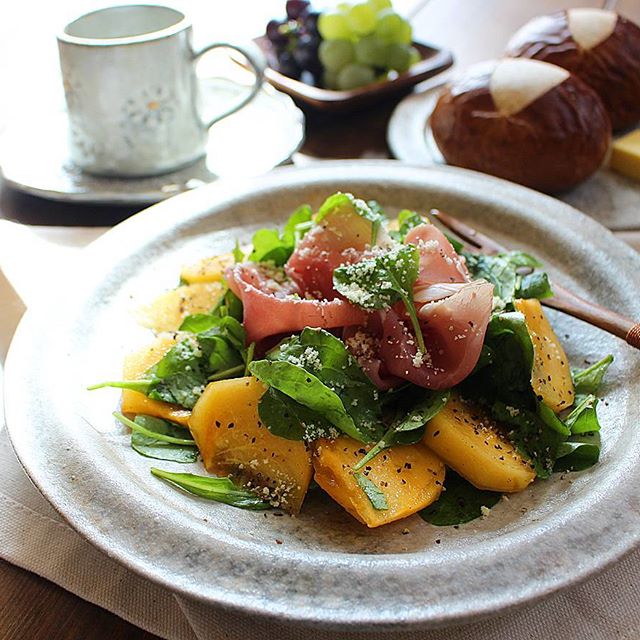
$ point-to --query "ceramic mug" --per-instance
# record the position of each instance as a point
(132, 92)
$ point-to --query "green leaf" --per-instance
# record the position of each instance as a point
(381, 281)
(306, 389)
(141, 386)
(158, 448)
(458, 503)
(408, 427)
(588, 380)
(346, 202)
(154, 433)
(534, 285)
(407, 220)
(584, 418)
(212, 488)
(269, 245)
(289, 419)
(372, 491)
(547, 415)
(531, 435)
(238, 254)
(502, 270)
(578, 453)
(326, 357)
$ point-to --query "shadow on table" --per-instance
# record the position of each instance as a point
(28, 209)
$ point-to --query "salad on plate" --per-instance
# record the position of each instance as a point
(375, 359)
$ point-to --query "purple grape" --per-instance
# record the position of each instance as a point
(275, 34)
(288, 65)
(295, 8)
(310, 22)
(305, 52)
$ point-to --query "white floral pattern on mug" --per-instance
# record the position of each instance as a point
(151, 109)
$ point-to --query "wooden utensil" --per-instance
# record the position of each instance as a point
(563, 299)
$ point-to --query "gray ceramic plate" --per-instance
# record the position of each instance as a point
(328, 569)
(608, 197)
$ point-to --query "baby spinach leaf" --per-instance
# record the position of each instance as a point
(289, 419)
(372, 491)
(531, 435)
(269, 245)
(141, 386)
(534, 285)
(149, 428)
(238, 253)
(407, 220)
(308, 390)
(212, 488)
(408, 427)
(321, 355)
(458, 503)
(379, 282)
(155, 446)
(502, 270)
(181, 374)
(588, 380)
(583, 418)
(348, 203)
(578, 453)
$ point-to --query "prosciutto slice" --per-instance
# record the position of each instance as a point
(453, 330)
(364, 345)
(273, 304)
(340, 238)
(439, 262)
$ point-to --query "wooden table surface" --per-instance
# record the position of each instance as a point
(33, 608)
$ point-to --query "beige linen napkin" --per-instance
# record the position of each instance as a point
(34, 536)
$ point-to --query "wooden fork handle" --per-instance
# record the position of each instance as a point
(615, 323)
(633, 336)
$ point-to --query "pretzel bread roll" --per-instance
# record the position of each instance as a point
(600, 47)
(527, 121)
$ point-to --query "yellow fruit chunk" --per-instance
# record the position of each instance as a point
(625, 155)
(135, 366)
(167, 312)
(409, 477)
(233, 442)
(551, 375)
(469, 441)
(207, 270)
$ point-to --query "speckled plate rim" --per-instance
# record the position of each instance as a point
(297, 572)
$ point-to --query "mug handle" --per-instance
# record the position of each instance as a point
(256, 64)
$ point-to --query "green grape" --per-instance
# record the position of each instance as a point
(398, 57)
(335, 54)
(330, 79)
(343, 7)
(361, 19)
(389, 25)
(371, 51)
(355, 75)
(414, 56)
(334, 26)
(379, 5)
(405, 36)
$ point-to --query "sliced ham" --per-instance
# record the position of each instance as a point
(340, 238)
(273, 304)
(364, 345)
(453, 330)
(439, 262)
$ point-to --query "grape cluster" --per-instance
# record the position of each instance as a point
(353, 45)
(363, 42)
(296, 41)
